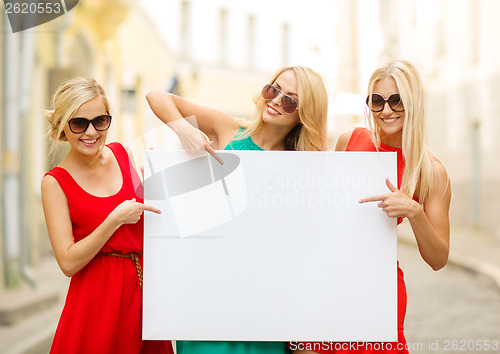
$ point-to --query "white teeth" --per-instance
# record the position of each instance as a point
(89, 141)
(272, 110)
(389, 120)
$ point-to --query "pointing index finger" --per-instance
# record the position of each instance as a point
(375, 198)
(151, 208)
(212, 152)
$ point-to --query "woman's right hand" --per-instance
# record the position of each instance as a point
(193, 140)
(130, 211)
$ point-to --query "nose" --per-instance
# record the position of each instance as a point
(387, 110)
(91, 129)
(277, 100)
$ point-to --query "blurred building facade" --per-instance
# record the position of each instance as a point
(112, 41)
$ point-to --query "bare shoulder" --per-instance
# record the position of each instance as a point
(51, 190)
(437, 165)
(441, 180)
(441, 177)
(49, 182)
(228, 131)
(343, 140)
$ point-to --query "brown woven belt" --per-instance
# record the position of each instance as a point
(134, 257)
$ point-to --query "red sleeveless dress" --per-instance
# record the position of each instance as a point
(361, 141)
(103, 309)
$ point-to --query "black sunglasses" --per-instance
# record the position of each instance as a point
(378, 102)
(80, 125)
(270, 92)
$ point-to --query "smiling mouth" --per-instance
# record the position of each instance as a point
(89, 142)
(272, 110)
(389, 120)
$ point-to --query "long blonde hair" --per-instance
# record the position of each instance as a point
(419, 168)
(67, 99)
(310, 133)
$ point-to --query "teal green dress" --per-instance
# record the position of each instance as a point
(242, 144)
(233, 347)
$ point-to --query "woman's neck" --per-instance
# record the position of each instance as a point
(270, 137)
(80, 161)
(395, 141)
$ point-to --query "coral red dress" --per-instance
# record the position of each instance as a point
(103, 309)
(361, 141)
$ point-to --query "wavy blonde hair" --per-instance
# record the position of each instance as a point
(67, 99)
(419, 170)
(310, 133)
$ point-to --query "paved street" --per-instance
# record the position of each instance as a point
(449, 311)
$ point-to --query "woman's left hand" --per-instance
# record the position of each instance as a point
(395, 204)
(430, 223)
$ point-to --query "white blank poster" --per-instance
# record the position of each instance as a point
(270, 246)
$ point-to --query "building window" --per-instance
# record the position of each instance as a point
(286, 44)
(251, 41)
(185, 30)
(223, 45)
(475, 21)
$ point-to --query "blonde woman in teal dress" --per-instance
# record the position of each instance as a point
(290, 114)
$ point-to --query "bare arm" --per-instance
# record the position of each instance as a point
(71, 256)
(343, 140)
(169, 108)
(430, 223)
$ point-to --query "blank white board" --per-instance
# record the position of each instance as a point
(270, 246)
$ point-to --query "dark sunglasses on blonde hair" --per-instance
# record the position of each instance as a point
(378, 102)
(288, 104)
(79, 125)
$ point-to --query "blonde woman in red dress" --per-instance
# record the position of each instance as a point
(94, 220)
(422, 193)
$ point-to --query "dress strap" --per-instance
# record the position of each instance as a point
(129, 172)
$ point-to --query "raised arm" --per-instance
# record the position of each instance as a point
(217, 128)
(430, 223)
(71, 256)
